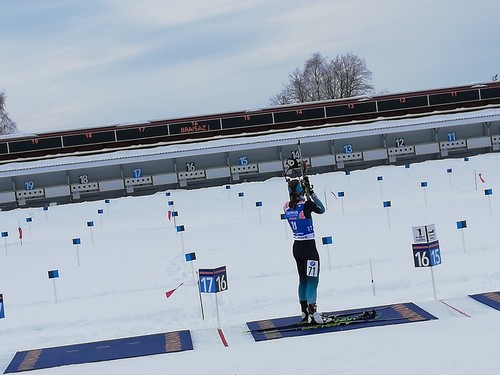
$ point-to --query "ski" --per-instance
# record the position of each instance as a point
(335, 323)
(339, 319)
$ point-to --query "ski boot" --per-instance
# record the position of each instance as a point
(315, 317)
(305, 313)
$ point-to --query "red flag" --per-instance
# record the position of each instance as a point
(20, 234)
(170, 292)
(169, 215)
(481, 178)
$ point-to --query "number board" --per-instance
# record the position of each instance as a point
(88, 138)
(426, 255)
(213, 280)
(3, 148)
(35, 144)
(247, 120)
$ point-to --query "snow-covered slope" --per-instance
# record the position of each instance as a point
(118, 290)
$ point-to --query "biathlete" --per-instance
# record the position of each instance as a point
(298, 212)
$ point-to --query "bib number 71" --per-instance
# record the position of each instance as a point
(312, 268)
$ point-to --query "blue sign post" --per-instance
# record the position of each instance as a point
(76, 242)
(5, 235)
(213, 281)
(29, 220)
(54, 274)
(259, 205)
(388, 204)
(461, 225)
(423, 185)
(180, 229)
(190, 257)
(341, 196)
(241, 195)
(380, 179)
(285, 222)
(2, 311)
(100, 212)
(90, 225)
(489, 193)
(450, 173)
(328, 241)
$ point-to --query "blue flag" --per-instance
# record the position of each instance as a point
(327, 240)
(54, 274)
(2, 312)
(76, 241)
(461, 224)
(190, 257)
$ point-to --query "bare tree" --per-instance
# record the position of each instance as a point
(320, 79)
(7, 126)
(314, 72)
(353, 76)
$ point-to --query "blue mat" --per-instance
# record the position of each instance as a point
(101, 351)
(269, 329)
(491, 299)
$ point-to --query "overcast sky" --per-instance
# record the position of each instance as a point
(70, 63)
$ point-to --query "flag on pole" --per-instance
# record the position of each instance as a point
(170, 292)
(190, 257)
(54, 274)
(327, 240)
(20, 230)
(2, 312)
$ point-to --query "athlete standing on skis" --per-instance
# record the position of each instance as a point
(298, 214)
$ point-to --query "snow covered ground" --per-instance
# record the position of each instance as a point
(118, 290)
